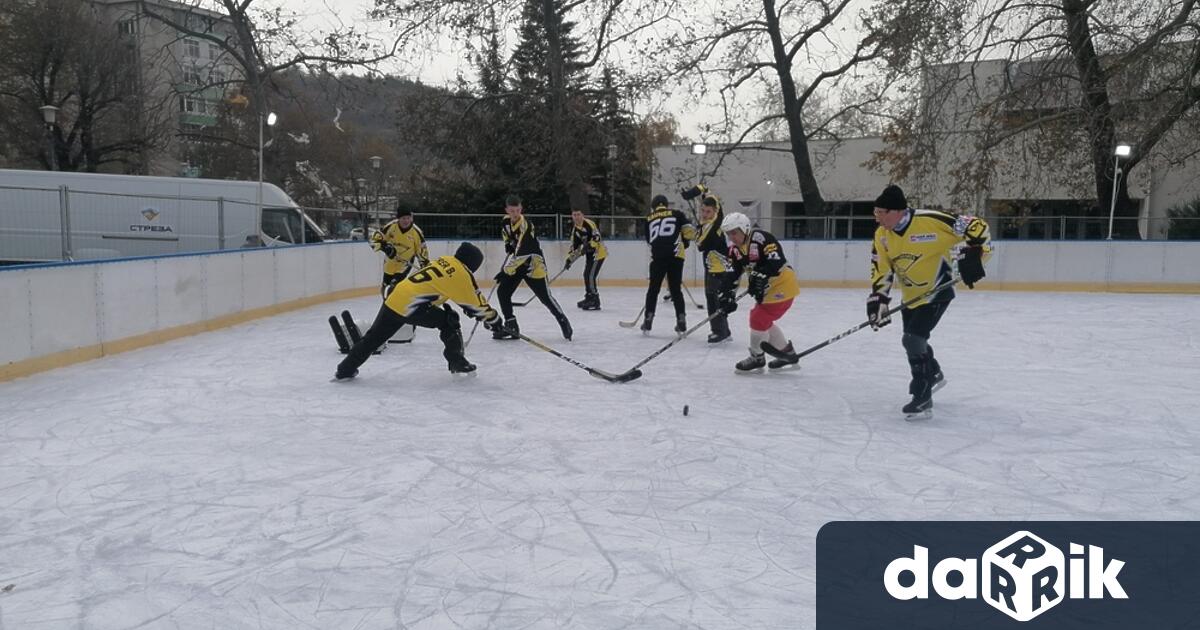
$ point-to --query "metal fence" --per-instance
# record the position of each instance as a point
(44, 224)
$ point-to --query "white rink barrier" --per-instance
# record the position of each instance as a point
(59, 314)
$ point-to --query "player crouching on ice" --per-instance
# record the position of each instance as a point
(420, 299)
(918, 248)
(772, 284)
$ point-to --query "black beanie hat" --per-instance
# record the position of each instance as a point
(892, 198)
(469, 255)
(710, 201)
(403, 211)
(659, 201)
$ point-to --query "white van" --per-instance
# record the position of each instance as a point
(109, 216)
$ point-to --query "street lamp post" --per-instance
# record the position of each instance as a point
(376, 165)
(1122, 150)
(49, 115)
(612, 192)
(270, 122)
(698, 150)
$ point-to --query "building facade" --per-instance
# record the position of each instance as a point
(1028, 185)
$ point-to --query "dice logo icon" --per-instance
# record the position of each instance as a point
(1023, 576)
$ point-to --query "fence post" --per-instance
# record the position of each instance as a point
(64, 211)
(221, 223)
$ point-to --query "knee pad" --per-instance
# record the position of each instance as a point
(914, 346)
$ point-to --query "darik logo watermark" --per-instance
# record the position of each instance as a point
(1022, 576)
(1008, 575)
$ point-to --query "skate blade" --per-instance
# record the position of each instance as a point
(470, 374)
(925, 414)
(753, 372)
(790, 367)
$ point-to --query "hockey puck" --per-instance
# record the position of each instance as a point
(685, 410)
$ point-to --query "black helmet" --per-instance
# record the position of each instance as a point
(659, 201)
(470, 256)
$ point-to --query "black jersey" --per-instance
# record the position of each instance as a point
(668, 232)
(520, 239)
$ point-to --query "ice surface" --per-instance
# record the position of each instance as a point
(220, 481)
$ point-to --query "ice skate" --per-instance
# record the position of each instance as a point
(784, 359)
(647, 323)
(752, 364)
(680, 324)
(718, 337)
(510, 330)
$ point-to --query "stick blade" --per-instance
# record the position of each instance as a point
(623, 377)
(627, 324)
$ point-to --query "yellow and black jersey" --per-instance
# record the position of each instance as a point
(520, 241)
(409, 245)
(919, 253)
(668, 232)
(761, 252)
(585, 239)
(444, 279)
(712, 244)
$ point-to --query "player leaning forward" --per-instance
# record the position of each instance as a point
(917, 248)
(773, 286)
(421, 299)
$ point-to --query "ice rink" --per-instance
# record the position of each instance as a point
(220, 481)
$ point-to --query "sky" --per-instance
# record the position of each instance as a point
(443, 60)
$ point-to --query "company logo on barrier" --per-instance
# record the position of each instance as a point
(1022, 576)
(150, 214)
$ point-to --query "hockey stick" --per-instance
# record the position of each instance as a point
(689, 331)
(948, 283)
(667, 297)
(495, 284)
(635, 319)
(624, 377)
(548, 283)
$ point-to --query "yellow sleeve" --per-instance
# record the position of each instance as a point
(422, 247)
(881, 266)
(975, 233)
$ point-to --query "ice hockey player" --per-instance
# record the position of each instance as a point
(586, 242)
(715, 250)
(403, 245)
(668, 232)
(526, 262)
(773, 286)
(421, 299)
(917, 248)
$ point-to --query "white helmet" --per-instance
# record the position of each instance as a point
(736, 221)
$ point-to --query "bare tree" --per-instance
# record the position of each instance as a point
(1076, 77)
(797, 50)
(61, 53)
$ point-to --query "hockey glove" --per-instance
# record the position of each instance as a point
(510, 248)
(689, 194)
(571, 258)
(877, 311)
(970, 266)
(388, 249)
(727, 301)
(491, 320)
(758, 285)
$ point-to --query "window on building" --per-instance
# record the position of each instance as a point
(213, 51)
(191, 105)
(191, 75)
(127, 27)
(191, 48)
(217, 77)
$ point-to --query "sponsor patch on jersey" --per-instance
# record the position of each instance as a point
(922, 238)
